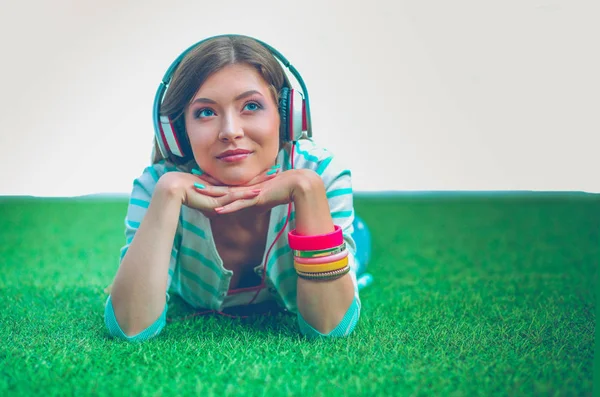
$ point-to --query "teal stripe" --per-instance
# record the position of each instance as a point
(195, 297)
(203, 284)
(174, 253)
(138, 183)
(193, 228)
(280, 224)
(171, 273)
(284, 276)
(345, 173)
(339, 192)
(152, 172)
(290, 296)
(277, 254)
(286, 159)
(341, 214)
(132, 224)
(139, 203)
(123, 252)
(204, 260)
(306, 155)
(177, 240)
(324, 165)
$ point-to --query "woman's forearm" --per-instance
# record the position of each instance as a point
(322, 304)
(138, 291)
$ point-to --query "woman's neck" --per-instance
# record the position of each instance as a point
(245, 219)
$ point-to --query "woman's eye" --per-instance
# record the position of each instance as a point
(202, 113)
(252, 106)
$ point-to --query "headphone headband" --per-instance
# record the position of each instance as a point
(166, 80)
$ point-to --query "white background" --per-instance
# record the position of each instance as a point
(438, 95)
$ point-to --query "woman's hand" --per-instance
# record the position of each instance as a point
(197, 191)
(278, 190)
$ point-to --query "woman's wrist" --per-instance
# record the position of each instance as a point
(306, 183)
(310, 202)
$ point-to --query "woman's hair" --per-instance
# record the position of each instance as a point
(209, 57)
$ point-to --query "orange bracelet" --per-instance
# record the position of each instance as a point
(321, 268)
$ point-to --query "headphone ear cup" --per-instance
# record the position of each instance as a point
(183, 139)
(174, 141)
(283, 114)
(296, 115)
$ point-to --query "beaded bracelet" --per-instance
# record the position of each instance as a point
(326, 275)
(319, 253)
(325, 267)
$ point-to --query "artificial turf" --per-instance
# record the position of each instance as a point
(472, 296)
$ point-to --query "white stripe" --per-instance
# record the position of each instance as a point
(170, 136)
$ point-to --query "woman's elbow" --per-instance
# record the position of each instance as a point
(345, 327)
(115, 330)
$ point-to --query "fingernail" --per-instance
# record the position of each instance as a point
(197, 172)
(256, 191)
(276, 166)
(271, 172)
(199, 185)
(219, 209)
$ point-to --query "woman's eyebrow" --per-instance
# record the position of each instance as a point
(204, 100)
(237, 98)
(247, 94)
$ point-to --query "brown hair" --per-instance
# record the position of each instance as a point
(209, 57)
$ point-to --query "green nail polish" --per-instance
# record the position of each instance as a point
(199, 185)
(196, 172)
(276, 166)
(271, 172)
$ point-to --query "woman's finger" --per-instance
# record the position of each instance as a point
(256, 183)
(265, 176)
(211, 180)
(235, 196)
(206, 177)
(236, 206)
(212, 191)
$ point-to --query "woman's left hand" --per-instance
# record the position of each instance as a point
(279, 190)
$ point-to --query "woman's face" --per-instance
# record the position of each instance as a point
(233, 125)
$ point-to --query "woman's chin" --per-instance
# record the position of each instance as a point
(231, 180)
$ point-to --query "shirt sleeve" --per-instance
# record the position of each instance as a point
(115, 330)
(338, 185)
(344, 328)
(143, 188)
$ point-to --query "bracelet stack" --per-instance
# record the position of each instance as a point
(321, 257)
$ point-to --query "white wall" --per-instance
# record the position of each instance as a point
(443, 95)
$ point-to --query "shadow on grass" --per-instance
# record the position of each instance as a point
(260, 319)
(36, 314)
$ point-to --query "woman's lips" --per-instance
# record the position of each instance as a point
(233, 158)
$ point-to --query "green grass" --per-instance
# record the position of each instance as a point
(472, 296)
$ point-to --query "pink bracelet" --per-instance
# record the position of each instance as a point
(317, 242)
(322, 259)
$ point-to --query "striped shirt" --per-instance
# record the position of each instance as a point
(196, 271)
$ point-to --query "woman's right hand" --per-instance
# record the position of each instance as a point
(197, 191)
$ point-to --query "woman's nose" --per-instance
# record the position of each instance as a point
(231, 129)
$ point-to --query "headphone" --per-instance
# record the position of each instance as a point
(294, 110)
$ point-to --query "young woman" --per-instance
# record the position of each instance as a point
(236, 209)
